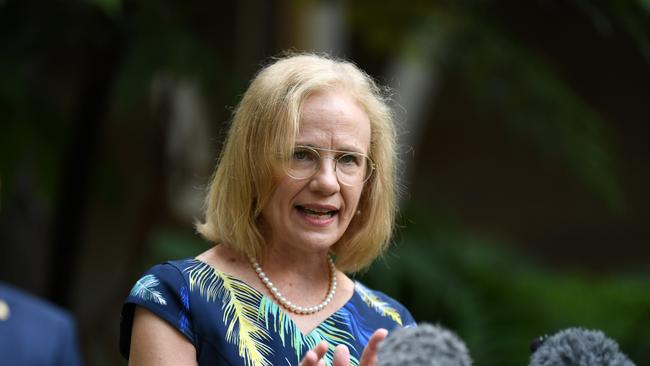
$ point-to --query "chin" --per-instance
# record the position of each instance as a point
(319, 242)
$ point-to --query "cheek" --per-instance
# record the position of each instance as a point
(283, 195)
(352, 199)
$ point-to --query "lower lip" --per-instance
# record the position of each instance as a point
(316, 221)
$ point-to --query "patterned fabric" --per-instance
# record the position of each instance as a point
(232, 323)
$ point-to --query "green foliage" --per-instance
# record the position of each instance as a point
(509, 80)
(164, 45)
(31, 137)
(110, 7)
(634, 18)
(499, 301)
(169, 243)
(535, 104)
(496, 299)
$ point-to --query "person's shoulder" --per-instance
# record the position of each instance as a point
(370, 295)
(384, 304)
(178, 265)
(163, 290)
(171, 275)
(176, 268)
(35, 309)
(35, 331)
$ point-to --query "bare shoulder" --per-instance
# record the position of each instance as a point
(156, 342)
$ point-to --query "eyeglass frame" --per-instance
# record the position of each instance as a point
(371, 164)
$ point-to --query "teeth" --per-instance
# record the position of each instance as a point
(318, 213)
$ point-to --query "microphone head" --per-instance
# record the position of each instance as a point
(578, 347)
(422, 345)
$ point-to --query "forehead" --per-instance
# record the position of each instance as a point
(334, 119)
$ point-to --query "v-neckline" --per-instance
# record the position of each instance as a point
(263, 297)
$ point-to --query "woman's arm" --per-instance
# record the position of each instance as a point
(156, 342)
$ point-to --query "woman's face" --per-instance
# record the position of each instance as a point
(312, 214)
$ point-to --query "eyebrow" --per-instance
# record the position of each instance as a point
(346, 149)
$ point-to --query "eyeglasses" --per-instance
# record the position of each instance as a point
(352, 168)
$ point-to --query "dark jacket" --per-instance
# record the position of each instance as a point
(34, 332)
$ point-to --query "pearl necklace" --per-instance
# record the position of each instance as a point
(288, 304)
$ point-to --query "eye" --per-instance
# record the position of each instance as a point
(304, 155)
(350, 159)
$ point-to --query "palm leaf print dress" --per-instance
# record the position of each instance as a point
(232, 323)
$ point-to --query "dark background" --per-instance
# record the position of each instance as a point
(523, 138)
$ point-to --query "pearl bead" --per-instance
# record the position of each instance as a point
(288, 304)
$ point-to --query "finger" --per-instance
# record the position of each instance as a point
(321, 349)
(310, 359)
(369, 356)
(341, 356)
(315, 355)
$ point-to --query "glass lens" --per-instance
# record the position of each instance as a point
(304, 163)
(351, 168)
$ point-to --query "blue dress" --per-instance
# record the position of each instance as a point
(232, 323)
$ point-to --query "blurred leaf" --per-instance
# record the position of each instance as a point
(165, 50)
(169, 242)
(498, 301)
(110, 7)
(634, 19)
(537, 105)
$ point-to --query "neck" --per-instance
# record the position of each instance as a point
(280, 298)
(307, 266)
(302, 279)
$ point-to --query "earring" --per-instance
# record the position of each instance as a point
(358, 212)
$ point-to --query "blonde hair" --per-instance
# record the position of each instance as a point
(265, 125)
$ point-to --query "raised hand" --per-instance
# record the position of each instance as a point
(369, 355)
(315, 357)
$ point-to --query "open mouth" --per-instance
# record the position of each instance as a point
(316, 213)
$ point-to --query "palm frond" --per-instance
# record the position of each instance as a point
(240, 305)
(332, 330)
(144, 288)
(283, 325)
(373, 301)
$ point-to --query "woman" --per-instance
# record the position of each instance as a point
(304, 191)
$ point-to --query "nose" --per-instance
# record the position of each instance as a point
(325, 179)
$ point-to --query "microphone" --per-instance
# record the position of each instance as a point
(577, 347)
(422, 345)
